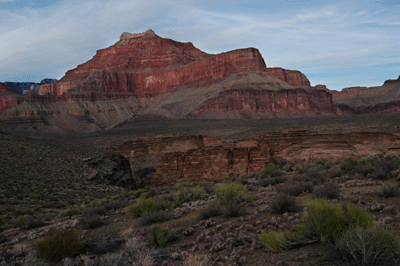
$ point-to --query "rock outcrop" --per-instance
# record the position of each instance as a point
(254, 104)
(167, 160)
(28, 87)
(9, 97)
(293, 77)
(382, 99)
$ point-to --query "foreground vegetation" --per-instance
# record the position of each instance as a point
(345, 212)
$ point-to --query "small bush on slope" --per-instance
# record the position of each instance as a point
(367, 246)
(326, 220)
(141, 207)
(59, 245)
(327, 190)
(285, 203)
(159, 236)
(232, 193)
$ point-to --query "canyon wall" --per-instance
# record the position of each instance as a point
(9, 97)
(252, 104)
(166, 160)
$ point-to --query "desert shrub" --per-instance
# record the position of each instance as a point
(285, 203)
(336, 173)
(138, 193)
(159, 236)
(60, 244)
(74, 210)
(367, 246)
(151, 193)
(211, 210)
(91, 221)
(165, 203)
(102, 246)
(276, 240)
(312, 175)
(272, 181)
(233, 210)
(327, 190)
(155, 217)
(96, 210)
(116, 204)
(287, 168)
(31, 222)
(184, 194)
(295, 188)
(142, 206)
(326, 220)
(232, 193)
(364, 169)
(356, 216)
(197, 259)
(349, 164)
(271, 168)
(389, 191)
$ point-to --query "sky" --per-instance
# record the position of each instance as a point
(336, 43)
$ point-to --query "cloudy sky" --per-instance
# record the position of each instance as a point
(337, 43)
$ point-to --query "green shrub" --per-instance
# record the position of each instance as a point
(159, 236)
(183, 195)
(142, 206)
(59, 245)
(74, 210)
(349, 164)
(151, 193)
(368, 246)
(276, 240)
(138, 193)
(326, 220)
(232, 193)
(270, 169)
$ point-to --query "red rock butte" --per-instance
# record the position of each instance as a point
(146, 65)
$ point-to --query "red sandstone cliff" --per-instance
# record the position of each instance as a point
(9, 97)
(293, 77)
(252, 104)
(146, 65)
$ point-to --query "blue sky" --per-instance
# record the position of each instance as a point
(336, 43)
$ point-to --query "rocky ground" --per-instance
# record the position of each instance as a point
(47, 184)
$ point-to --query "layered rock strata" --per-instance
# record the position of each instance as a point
(167, 160)
(382, 99)
(9, 97)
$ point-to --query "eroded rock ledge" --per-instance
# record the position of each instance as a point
(166, 160)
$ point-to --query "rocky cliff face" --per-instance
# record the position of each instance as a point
(253, 104)
(171, 79)
(167, 160)
(383, 99)
(9, 97)
(146, 65)
(28, 87)
(293, 77)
